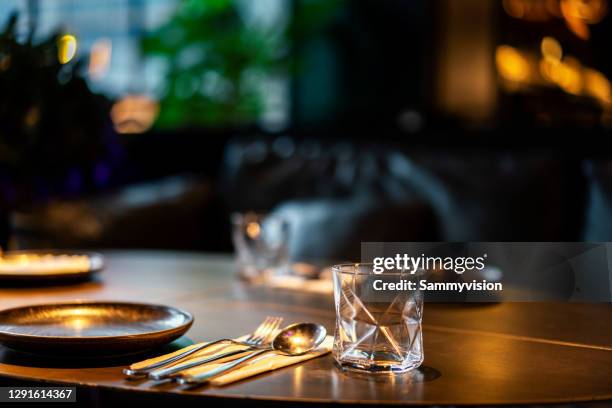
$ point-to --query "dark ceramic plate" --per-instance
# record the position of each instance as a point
(92, 328)
(17, 274)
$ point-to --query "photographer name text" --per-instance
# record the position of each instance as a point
(423, 284)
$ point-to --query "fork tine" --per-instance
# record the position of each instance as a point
(275, 327)
(256, 333)
(264, 326)
(271, 332)
(265, 331)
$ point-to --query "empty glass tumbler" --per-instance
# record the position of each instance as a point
(261, 244)
(378, 329)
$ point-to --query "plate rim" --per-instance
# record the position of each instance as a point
(186, 325)
(53, 275)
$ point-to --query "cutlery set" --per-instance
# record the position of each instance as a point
(184, 366)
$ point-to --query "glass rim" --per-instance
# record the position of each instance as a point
(338, 268)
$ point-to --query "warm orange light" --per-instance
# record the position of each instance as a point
(514, 8)
(134, 114)
(567, 74)
(253, 230)
(532, 10)
(511, 64)
(589, 11)
(547, 69)
(551, 49)
(66, 48)
(579, 13)
(100, 57)
(597, 86)
(578, 27)
(554, 8)
(570, 78)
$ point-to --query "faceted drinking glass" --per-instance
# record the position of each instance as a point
(377, 330)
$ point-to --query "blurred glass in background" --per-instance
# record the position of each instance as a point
(261, 243)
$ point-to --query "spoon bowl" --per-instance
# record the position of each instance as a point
(299, 338)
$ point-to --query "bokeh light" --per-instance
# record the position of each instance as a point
(578, 14)
(253, 230)
(134, 114)
(511, 64)
(551, 49)
(100, 58)
(66, 48)
(598, 86)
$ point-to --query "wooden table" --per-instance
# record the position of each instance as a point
(474, 353)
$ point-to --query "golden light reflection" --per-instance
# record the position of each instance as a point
(299, 343)
(298, 379)
(82, 312)
(66, 48)
(134, 114)
(253, 230)
(511, 64)
(100, 58)
(43, 264)
(78, 323)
